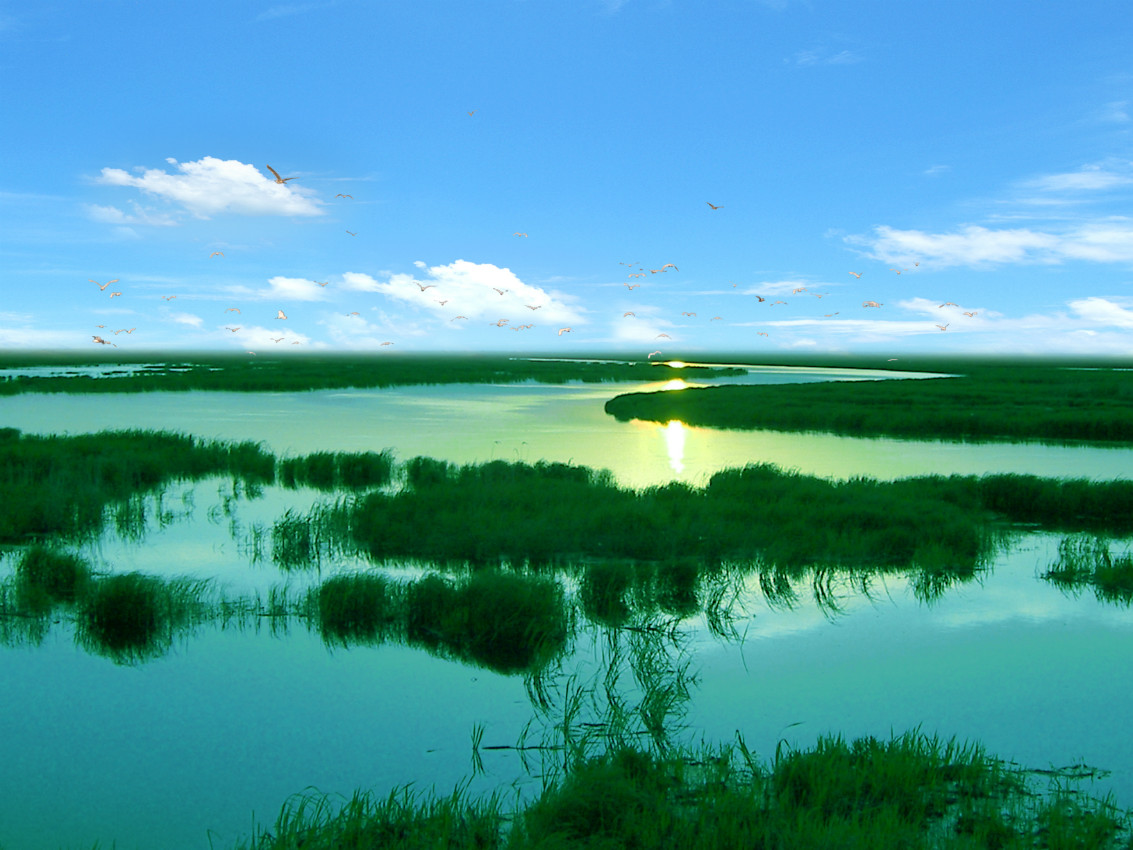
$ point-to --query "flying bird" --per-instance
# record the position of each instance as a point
(651, 353)
(715, 318)
(659, 336)
(102, 286)
(532, 307)
(232, 310)
(473, 112)
(630, 313)
(442, 303)
(387, 343)
(712, 205)
(761, 333)
(125, 331)
(760, 298)
(895, 270)
(115, 294)
(969, 315)
(669, 266)
(454, 318)
(564, 331)
(501, 291)
(944, 327)
(500, 323)
(948, 304)
(168, 297)
(352, 233)
(232, 329)
(520, 234)
(216, 254)
(870, 304)
(279, 179)
(280, 315)
(273, 339)
(856, 274)
(340, 195)
(320, 283)
(101, 341)
(683, 313)
(424, 286)
(797, 291)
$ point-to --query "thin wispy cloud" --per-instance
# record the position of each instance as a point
(140, 215)
(824, 56)
(285, 10)
(210, 186)
(1104, 240)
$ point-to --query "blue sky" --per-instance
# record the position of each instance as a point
(967, 154)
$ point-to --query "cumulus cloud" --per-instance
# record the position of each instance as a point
(210, 186)
(475, 290)
(1103, 311)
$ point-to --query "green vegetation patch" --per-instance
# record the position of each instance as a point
(912, 791)
(1086, 561)
(61, 485)
(990, 402)
(300, 372)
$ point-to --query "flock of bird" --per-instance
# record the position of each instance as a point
(640, 273)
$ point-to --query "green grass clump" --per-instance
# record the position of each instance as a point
(132, 617)
(55, 575)
(356, 608)
(335, 470)
(1086, 561)
(505, 621)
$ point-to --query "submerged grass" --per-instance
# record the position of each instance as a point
(337, 470)
(1086, 561)
(504, 621)
(990, 401)
(62, 485)
(910, 791)
(133, 617)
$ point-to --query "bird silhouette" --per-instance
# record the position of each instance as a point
(279, 179)
(216, 254)
(651, 353)
(944, 327)
(857, 274)
(870, 304)
(280, 315)
(712, 205)
(660, 336)
(232, 310)
(630, 313)
(520, 234)
(340, 195)
(564, 331)
(102, 286)
(424, 286)
(966, 313)
(352, 233)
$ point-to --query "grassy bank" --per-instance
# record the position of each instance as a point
(299, 372)
(911, 791)
(1086, 561)
(991, 401)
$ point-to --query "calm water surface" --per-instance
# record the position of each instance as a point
(192, 745)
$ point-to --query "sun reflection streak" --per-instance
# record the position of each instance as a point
(675, 443)
(676, 384)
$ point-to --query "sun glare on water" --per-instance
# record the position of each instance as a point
(675, 444)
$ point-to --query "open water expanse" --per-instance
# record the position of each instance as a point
(189, 747)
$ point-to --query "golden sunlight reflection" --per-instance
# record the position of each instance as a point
(676, 364)
(676, 384)
(675, 443)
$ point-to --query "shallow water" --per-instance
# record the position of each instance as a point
(530, 422)
(231, 722)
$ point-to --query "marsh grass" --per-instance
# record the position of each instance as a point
(133, 617)
(910, 791)
(337, 470)
(506, 622)
(51, 575)
(301, 372)
(1085, 560)
(990, 401)
(62, 486)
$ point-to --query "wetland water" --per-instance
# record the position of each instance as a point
(233, 720)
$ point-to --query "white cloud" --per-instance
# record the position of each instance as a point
(1090, 178)
(1107, 240)
(1103, 311)
(210, 186)
(293, 289)
(475, 290)
(933, 170)
(140, 215)
(189, 319)
(823, 56)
